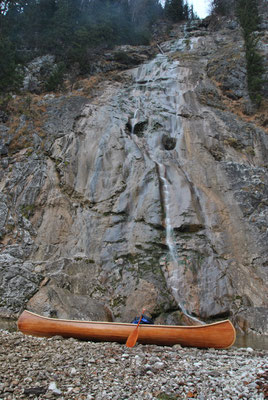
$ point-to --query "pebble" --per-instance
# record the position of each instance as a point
(39, 368)
(53, 387)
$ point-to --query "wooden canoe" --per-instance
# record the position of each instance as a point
(218, 335)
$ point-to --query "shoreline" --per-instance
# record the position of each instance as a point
(40, 368)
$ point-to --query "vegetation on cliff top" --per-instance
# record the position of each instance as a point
(72, 30)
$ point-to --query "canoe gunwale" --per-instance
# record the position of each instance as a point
(126, 323)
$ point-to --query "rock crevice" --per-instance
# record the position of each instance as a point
(89, 208)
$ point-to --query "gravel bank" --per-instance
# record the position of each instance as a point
(34, 368)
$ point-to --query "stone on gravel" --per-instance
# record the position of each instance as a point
(38, 368)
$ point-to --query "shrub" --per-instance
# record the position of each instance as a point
(56, 78)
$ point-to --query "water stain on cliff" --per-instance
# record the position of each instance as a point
(82, 204)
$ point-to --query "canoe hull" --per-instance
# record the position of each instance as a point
(218, 335)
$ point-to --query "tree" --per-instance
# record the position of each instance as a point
(5, 7)
(9, 76)
(145, 11)
(192, 14)
(247, 12)
(222, 7)
(10, 79)
(177, 10)
(186, 11)
(70, 29)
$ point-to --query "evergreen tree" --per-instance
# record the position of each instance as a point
(70, 29)
(10, 78)
(247, 11)
(143, 14)
(174, 10)
(222, 7)
(186, 11)
(177, 10)
(192, 14)
(145, 11)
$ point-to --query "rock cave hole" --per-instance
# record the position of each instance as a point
(138, 128)
(168, 142)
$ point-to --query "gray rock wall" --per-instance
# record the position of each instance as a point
(157, 154)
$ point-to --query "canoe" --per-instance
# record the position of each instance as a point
(218, 335)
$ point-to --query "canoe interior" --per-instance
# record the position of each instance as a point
(217, 335)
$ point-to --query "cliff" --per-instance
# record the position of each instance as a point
(145, 187)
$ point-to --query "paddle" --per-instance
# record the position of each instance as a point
(132, 339)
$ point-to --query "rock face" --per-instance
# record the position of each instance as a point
(37, 72)
(151, 194)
